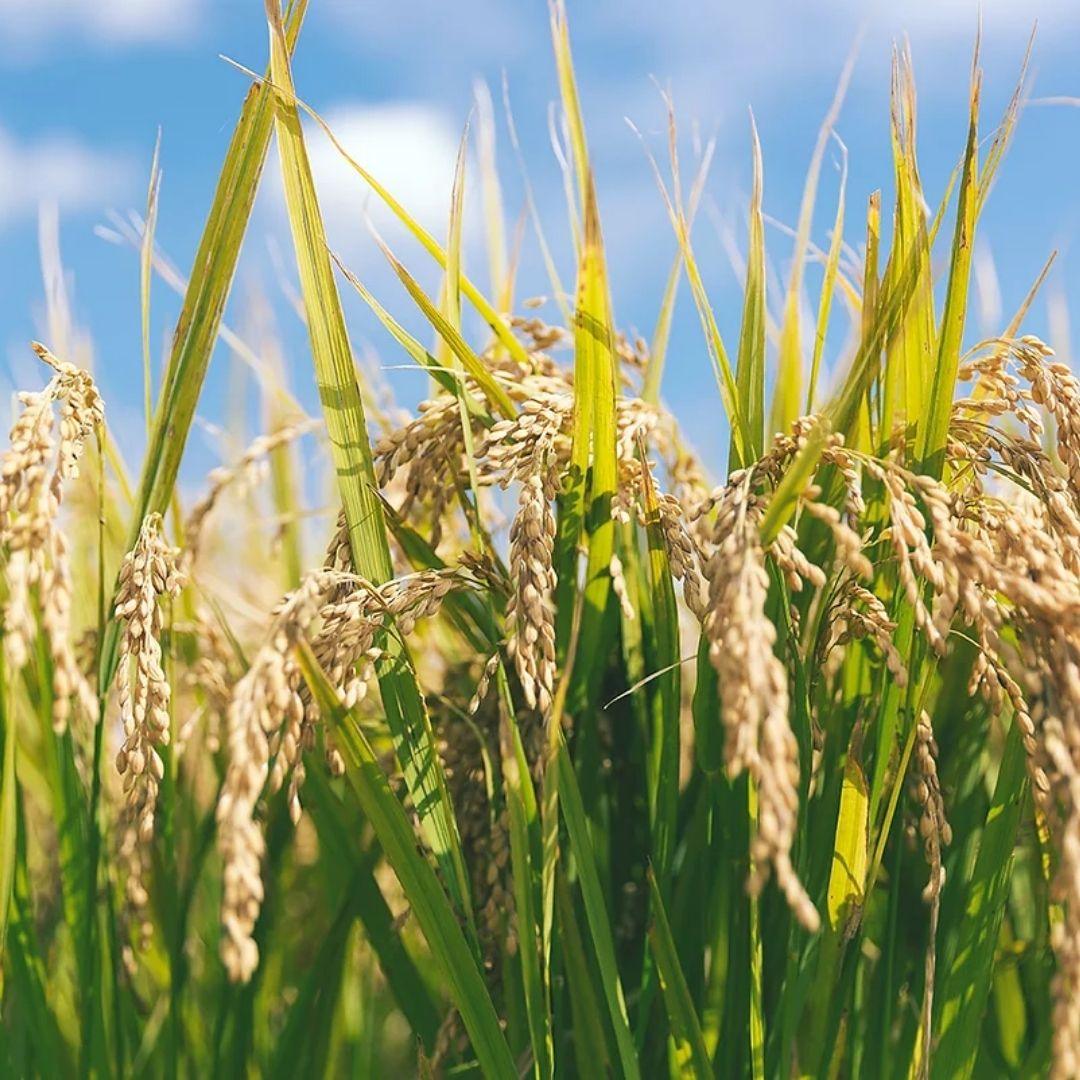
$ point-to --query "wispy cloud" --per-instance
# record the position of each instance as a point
(112, 21)
(61, 170)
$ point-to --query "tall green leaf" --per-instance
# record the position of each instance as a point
(690, 1052)
(346, 426)
(595, 908)
(933, 430)
(966, 985)
(200, 316)
(750, 365)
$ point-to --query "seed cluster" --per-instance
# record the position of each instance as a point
(754, 689)
(32, 474)
(265, 715)
(531, 610)
(148, 573)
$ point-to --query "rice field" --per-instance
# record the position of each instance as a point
(569, 754)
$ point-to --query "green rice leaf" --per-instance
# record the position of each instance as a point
(200, 316)
(662, 637)
(338, 830)
(595, 908)
(495, 394)
(933, 430)
(497, 324)
(847, 878)
(785, 498)
(342, 405)
(8, 808)
(146, 271)
(594, 469)
(654, 369)
(446, 379)
(690, 1054)
(725, 375)
(526, 859)
(592, 1057)
(828, 288)
(750, 364)
(966, 985)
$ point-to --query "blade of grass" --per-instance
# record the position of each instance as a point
(200, 316)
(317, 994)
(526, 859)
(593, 443)
(797, 476)
(8, 808)
(844, 904)
(24, 966)
(564, 66)
(346, 426)
(756, 988)
(690, 1052)
(725, 376)
(146, 269)
(470, 495)
(590, 1043)
(662, 637)
(496, 323)
(750, 363)
(499, 272)
(495, 394)
(1006, 127)
(534, 215)
(654, 369)
(934, 428)
(828, 285)
(966, 985)
(337, 829)
(573, 810)
(419, 354)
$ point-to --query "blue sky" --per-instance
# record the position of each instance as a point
(85, 88)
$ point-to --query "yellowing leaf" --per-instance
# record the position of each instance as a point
(847, 879)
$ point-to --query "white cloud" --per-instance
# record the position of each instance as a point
(409, 147)
(114, 21)
(61, 170)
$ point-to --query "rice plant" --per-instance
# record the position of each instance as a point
(574, 754)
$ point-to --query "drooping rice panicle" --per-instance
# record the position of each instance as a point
(149, 574)
(32, 474)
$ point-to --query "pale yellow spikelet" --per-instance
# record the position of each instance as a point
(266, 708)
(684, 555)
(754, 690)
(530, 610)
(148, 573)
(32, 473)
